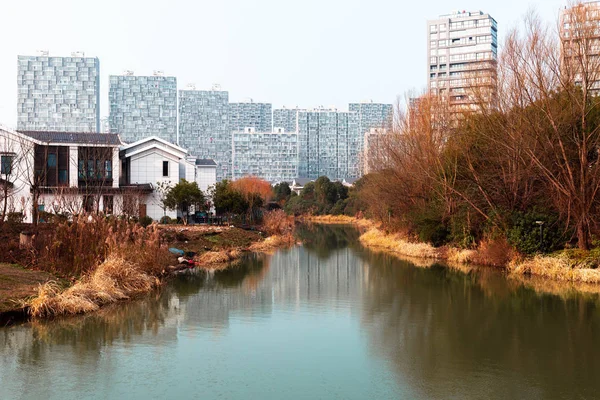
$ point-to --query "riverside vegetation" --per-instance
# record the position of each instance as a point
(514, 185)
(88, 261)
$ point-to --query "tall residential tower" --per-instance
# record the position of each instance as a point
(462, 50)
(204, 126)
(328, 144)
(58, 93)
(143, 106)
(250, 115)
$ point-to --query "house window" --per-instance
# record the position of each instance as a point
(51, 160)
(81, 171)
(165, 168)
(6, 162)
(108, 204)
(62, 176)
(108, 169)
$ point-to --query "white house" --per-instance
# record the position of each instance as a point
(61, 172)
(152, 161)
(206, 173)
(71, 173)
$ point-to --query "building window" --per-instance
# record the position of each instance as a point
(108, 169)
(107, 202)
(81, 169)
(165, 168)
(6, 162)
(63, 176)
(51, 160)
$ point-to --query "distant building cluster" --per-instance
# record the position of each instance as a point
(245, 138)
(253, 138)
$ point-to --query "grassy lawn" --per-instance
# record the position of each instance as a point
(17, 283)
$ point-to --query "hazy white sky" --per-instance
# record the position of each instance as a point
(306, 53)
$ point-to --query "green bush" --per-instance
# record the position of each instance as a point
(524, 232)
(166, 220)
(338, 208)
(430, 226)
(145, 221)
(15, 217)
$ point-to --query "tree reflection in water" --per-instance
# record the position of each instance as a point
(444, 333)
(451, 333)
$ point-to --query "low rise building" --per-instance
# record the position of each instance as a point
(76, 173)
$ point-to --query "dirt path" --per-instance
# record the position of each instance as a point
(17, 283)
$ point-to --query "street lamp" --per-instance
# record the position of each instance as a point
(541, 224)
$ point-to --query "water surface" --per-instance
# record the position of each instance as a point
(324, 320)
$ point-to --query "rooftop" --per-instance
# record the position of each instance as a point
(109, 139)
(205, 161)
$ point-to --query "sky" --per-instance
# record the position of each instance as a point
(305, 53)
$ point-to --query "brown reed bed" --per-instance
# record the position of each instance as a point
(492, 253)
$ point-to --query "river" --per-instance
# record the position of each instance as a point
(327, 319)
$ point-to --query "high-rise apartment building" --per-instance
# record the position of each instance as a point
(272, 156)
(462, 51)
(286, 118)
(328, 144)
(371, 116)
(58, 93)
(143, 106)
(580, 44)
(204, 126)
(250, 115)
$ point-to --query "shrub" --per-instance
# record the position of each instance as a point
(338, 208)
(430, 226)
(166, 220)
(146, 221)
(277, 222)
(524, 232)
(15, 217)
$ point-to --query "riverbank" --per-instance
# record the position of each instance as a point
(557, 267)
(136, 261)
(336, 220)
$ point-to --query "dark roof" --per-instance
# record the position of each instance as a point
(109, 139)
(205, 161)
(302, 181)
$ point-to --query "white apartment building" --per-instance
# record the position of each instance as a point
(580, 44)
(462, 50)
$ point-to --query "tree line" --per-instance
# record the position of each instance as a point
(523, 166)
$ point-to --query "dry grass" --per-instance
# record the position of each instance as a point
(210, 259)
(338, 219)
(78, 247)
(114, 280)
(375, 238)
(272, 243)
(557, 268)
(277, 222)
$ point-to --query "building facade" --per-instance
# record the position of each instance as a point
(371, 116)
(58, 93)
(143, 106)
(328, 144)
(286, 118)
(272, 156)
(204, 127)
(580, 45)
(250, 115)
(462, 50)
